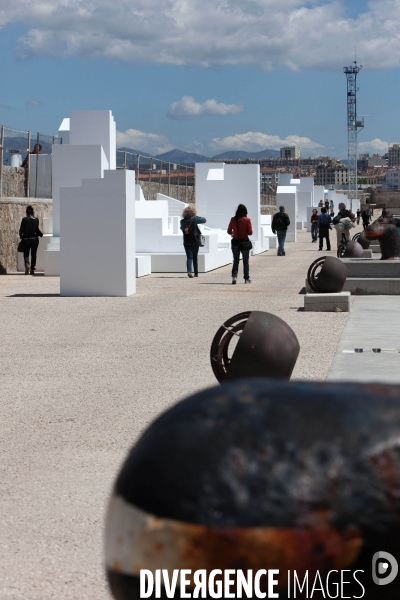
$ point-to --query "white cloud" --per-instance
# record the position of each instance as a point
(188, 108)
(255, 140)
(375, 146)
(146, 142)
(34, 102)
(267, 33)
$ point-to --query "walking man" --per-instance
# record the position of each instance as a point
(280, 223)
(324, 225)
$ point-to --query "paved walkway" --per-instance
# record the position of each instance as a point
(373, 324)
(82, 377)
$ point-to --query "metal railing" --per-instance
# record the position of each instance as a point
(157, 176)
(30, 152)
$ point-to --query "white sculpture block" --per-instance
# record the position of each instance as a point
(71, 164)
(98, 236)
(219, 190)
(93, 127)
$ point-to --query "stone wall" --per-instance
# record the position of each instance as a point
(175, 191)
(12, 210)
(268, 209)
(13, 182)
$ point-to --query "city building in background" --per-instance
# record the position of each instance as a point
(394, 155)
(291, 152)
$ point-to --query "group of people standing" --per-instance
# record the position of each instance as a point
(321, 224)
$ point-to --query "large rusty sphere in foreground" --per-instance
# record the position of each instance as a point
(331, 277)
(259, 474)
(266, 347)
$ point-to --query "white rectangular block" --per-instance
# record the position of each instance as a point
(94, 127)
(71, 164)
(143, 266)
(98, 237)
(340, 302)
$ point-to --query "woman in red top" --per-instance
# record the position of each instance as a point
(240, 228)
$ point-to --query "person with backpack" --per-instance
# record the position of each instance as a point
(324, 226)
(191, 238)
(29, 233)
(240, 228)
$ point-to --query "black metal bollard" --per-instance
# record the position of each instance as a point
(260, 474)
(266, 347)
(330, 278)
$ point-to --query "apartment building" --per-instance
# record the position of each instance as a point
(290, 152)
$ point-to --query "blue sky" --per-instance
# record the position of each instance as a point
(207, 75)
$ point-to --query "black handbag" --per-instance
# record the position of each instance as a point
(21, 246)
(246, 245)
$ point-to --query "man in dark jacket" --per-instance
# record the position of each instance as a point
(323, 226)
(280, 223)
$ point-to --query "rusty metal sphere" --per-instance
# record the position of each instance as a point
(327, 275)
(353, 250)
(266, 347)
(265, 475)
(362, 240)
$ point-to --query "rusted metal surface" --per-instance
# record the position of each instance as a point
(266, 347)
(362, 240)
(326, 275)
(385, 231)
(353, 250)
(262, 474)
(136, 540)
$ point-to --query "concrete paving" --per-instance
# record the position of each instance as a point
(82, 377)
(374, 324)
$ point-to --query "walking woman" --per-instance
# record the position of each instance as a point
(314, 221)
(29, 232)
(191, 238)
(240, 228)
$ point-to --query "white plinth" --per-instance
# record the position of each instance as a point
(98, 237)
(52, 258)
(143, 266)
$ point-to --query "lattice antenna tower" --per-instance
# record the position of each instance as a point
(354, 126)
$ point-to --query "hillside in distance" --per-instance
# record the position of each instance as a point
(181, 157)
(242, 155)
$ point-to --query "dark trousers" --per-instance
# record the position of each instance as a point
(281, 235)
(236, 257)
(192, 251)
(31, 245)
(314, 233)
(324, 233)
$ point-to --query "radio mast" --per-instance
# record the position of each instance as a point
(354, 126)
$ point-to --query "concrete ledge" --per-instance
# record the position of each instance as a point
(385, 286)
(367, 268)
(366, 254)
(340, 302)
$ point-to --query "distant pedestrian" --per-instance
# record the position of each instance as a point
(358, 216)
(29, 232)
(191, 238)
(324, 226)
(331, 205)
(240, 228)
(280, 223)
(314, 221)
(365, 218)
(320, 204)
(327, 206)
(331, 213)
(342, 232)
